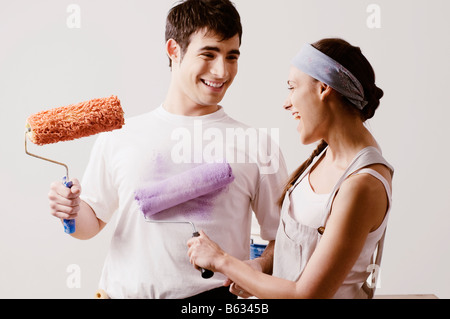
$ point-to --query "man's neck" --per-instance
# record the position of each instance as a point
(186, 107)
(194, 110)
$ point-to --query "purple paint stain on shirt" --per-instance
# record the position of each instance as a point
(191, 193)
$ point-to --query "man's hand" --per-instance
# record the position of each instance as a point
(65, 202)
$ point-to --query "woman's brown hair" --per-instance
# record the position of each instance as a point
(353, 60)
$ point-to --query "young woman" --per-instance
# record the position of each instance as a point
(335, 206)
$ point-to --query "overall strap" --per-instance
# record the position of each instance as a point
(367, 156)
(369, 288)
(381, 178)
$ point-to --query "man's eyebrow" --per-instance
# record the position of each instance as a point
(216, 49)
(210, 48)
(237, 52)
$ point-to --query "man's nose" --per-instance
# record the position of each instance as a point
(219, 68)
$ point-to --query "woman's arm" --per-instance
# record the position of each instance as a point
(358, 208)
(207, 254)
(264, 264)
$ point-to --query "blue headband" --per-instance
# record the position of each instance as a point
(323, 68)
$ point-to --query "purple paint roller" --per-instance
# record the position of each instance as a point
(155, 197)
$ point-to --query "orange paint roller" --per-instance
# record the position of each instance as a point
(72, 122)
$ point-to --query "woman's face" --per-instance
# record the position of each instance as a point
(306, 106)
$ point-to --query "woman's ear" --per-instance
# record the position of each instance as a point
(325, 91)
(173, 50)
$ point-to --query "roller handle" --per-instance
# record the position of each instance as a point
(69, 224)
(206, 273)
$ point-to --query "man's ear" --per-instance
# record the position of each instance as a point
(173, 50)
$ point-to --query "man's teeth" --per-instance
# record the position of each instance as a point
(213, 84)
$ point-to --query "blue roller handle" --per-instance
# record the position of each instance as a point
(69, 224)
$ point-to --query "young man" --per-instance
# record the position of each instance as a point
(147, 259)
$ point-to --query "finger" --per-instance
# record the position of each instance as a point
(192, 258)
(192, 241)
(76, 187)
(239, 291)
(203, 235)
(192, 255)
(62, 211)
(66, 192)
(68, 209)
(62, 207)
(62, 215)
(190, 252)
(227, 282)
(235, 289)
(58, 199)
(61, 190)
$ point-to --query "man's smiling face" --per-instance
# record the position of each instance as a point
(206, 70)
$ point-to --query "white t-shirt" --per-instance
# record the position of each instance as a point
(149, 260)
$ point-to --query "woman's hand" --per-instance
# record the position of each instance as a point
(235, 288)
(204, 253)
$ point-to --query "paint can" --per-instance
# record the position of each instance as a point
(256, 250)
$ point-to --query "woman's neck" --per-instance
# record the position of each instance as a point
(346, 140)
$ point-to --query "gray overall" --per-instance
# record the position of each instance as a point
(296, 242)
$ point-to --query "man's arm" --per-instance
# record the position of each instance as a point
(266, 258)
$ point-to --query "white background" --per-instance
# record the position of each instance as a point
(119, 49)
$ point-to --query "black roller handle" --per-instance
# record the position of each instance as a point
(206, 273)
